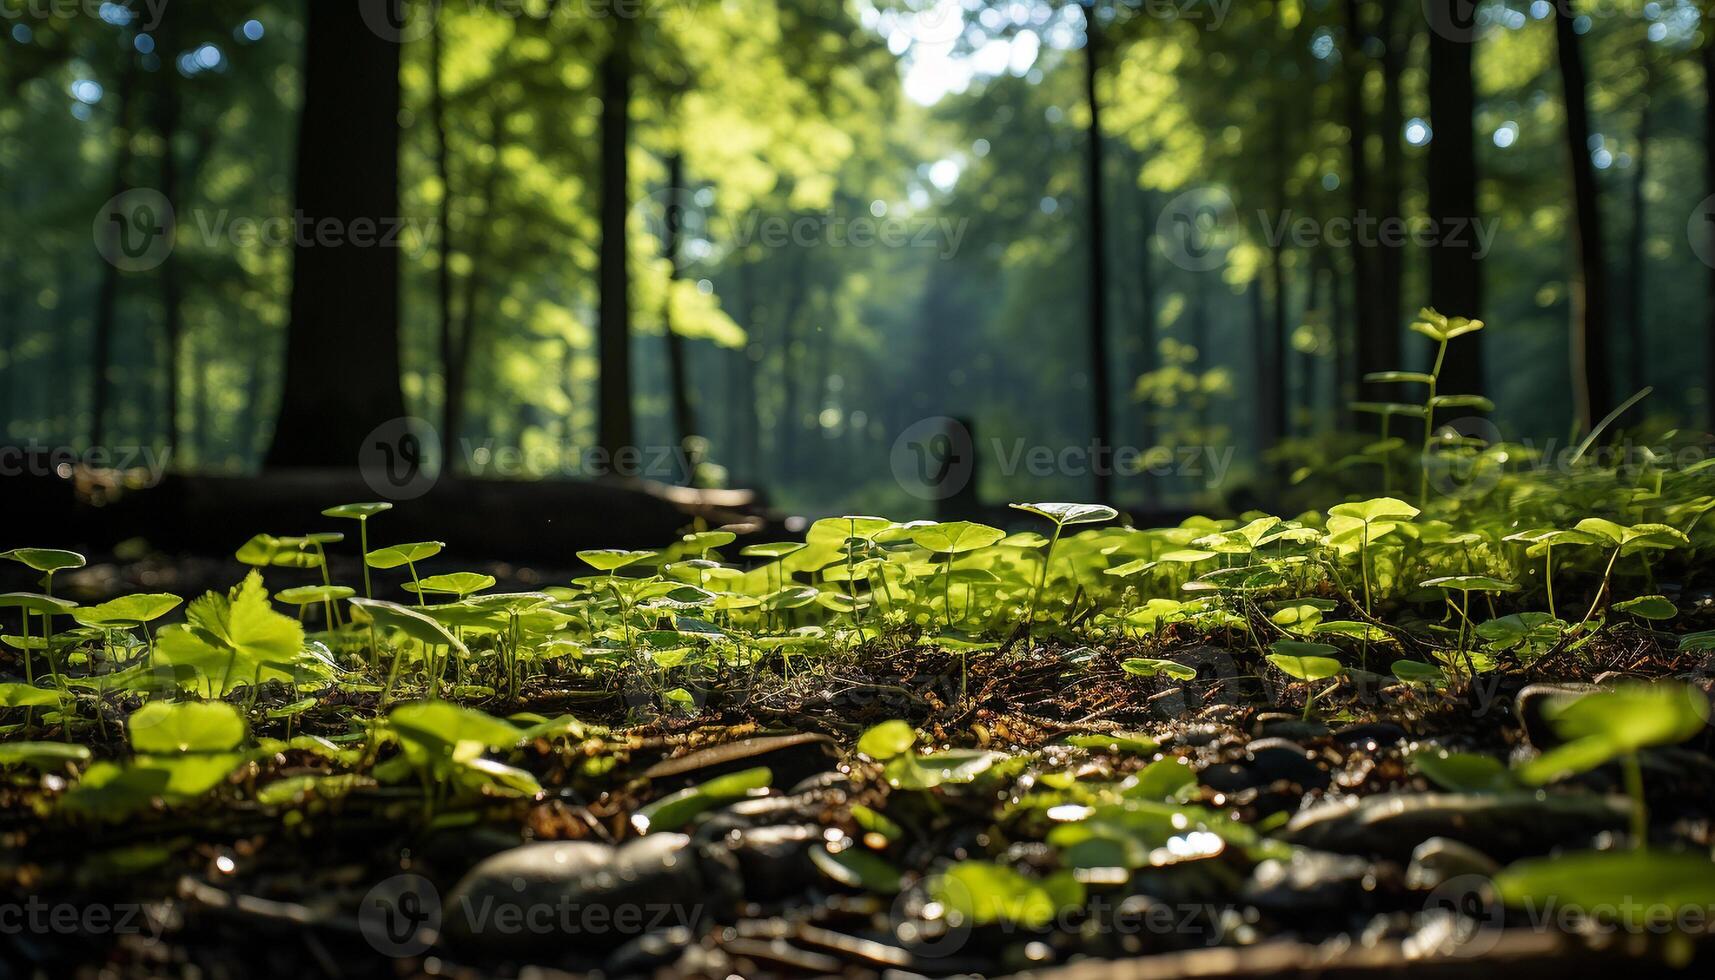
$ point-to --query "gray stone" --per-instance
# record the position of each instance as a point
(1439, 859)
(1505, 825)
(577, 895)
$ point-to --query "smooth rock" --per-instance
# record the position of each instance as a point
(1279, 724)
(577, 895)
(1274, 759)
(773, 861)
(649, 952)
(791, 758)
(1439, 858)
(1504, 825)
(1311, 883)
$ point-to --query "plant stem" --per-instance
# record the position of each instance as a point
(1429, 426)
(1042, 577)
(363, 543)
(1635, 789)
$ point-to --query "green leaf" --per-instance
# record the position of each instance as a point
(1477, 402)
(46, 559)
(929, 771)
(236, 638)
(956, 537)
(984, 893)
(1604, 725)
(41, 604)
(358, 511)
(42, 756)
(266, 550)
(416, 625)
(1631, 886)
(1418, 672)
(1068, 514)
(460, 584)
(164, 728)
(1438, 327)
(1463, 772)
(19, 695)
(886, 740)
(1305, 661)
(398, 555)
(854, 867)
(1398, 377)
(610, 559)
(305, 595)
(778, 549)
(1169, 779)
(1389, 408)
(678, 809)
(1150, 666)
(1469, 583)
(1652, 607)
(128, 611)
(1375, 509)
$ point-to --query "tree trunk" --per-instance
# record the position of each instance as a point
(342, 347)
(1367, 315)
(678, 375)
(614, 423)
(1637, 359)
(1708, 54)
(1455, 272)
(172, 314)
(454, 350)
(1592, 391)
(1381, 352)
(464, 328)
(107, 293)
(1100, 394)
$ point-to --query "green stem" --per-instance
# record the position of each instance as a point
(1429, 426)
(1635, 789)
(1548, 577)
(363, 542)
(1042, 577)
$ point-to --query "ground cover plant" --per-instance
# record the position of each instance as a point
(1472, 725)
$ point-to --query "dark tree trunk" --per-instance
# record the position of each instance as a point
(614, 423)
(342, 348)
(1100, 393)
(172, 296)
(1381, 351)
(455, 351)
(465, 327)
(678, 375)
(1365, 309)
(1637, 359)
(1592, 390)
(1455, 272)
(1709, 185)
(107, 293)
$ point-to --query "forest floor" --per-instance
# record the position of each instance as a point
(363, 882)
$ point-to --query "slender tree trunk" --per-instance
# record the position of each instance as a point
(168, 109)
(1365, 307)
(1592, 390)
(342, 347)
(1100, 390)
(466, 326)
(1637, 270)
(454, 350)
(786, 438)
(1381, 351)
(678, 375)
(613, 401)
(1271, 346)
(107, 293)
(1455, 272)
(11, 308)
